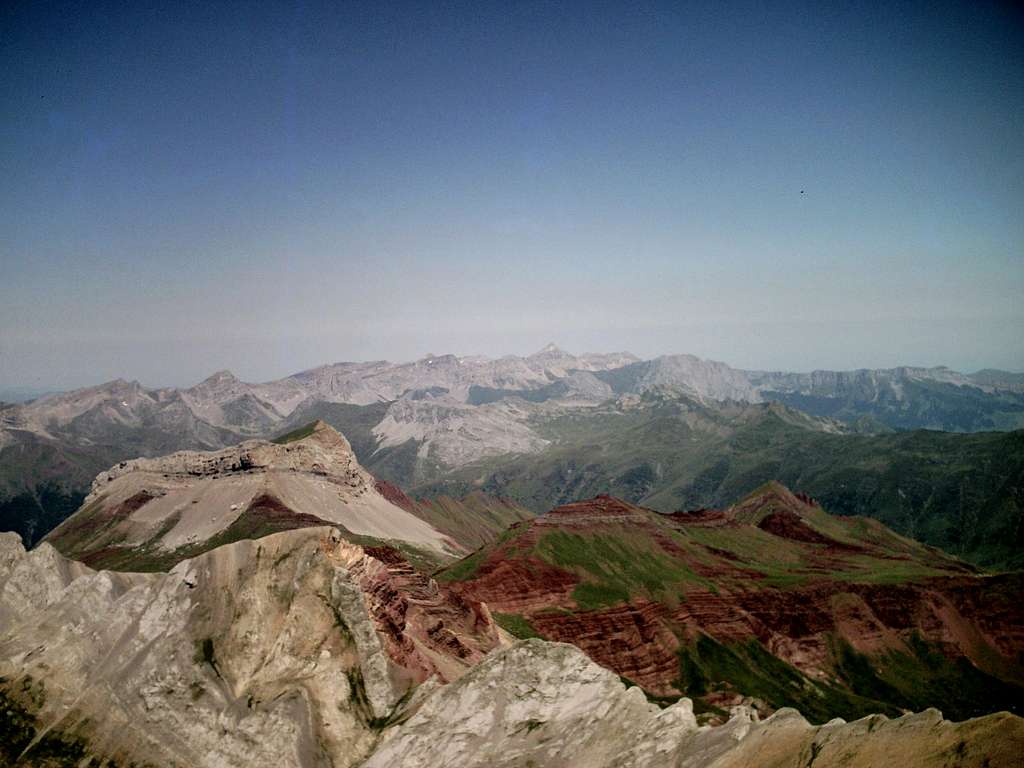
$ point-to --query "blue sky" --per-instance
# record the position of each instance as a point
(275, 186)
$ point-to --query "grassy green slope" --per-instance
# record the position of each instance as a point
(889, 683)
(659, 557)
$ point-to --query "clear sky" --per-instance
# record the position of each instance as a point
(269, 186)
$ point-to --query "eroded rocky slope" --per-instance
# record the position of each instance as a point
(543, 704)
(293, 650)
(772, 600)
(302, 649)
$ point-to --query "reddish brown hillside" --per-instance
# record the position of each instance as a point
(711, 603)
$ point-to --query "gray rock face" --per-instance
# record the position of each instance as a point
(364, 383)
(537, 703)
(703, 379)
(324, 452)
(455, 433)
(255, 654)
(227, 660)
(273, 653)
(544, 704)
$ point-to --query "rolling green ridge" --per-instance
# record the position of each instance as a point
(660, 557)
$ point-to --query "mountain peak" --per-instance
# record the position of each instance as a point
(602, 508)
(220, 377)
(220, 381)
(549, 349)
(774, 500)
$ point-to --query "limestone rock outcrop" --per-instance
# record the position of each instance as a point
(538, 703)
(302, 649)
(544, 704)
(292, 650)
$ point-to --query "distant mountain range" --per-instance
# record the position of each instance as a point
(476, 422)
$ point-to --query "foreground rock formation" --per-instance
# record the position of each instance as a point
(302, 649)
(285, 651)
(545, 704)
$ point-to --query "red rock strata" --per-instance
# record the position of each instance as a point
(967, 616)
(395, 495)
(427, 629)
(632, 640)
(790, 525)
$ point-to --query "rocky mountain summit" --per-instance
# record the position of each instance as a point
(165, 509)
(303, 649)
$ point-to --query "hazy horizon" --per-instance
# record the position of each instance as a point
(41, 387)
(792, 186)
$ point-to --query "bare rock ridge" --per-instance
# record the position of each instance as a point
(303, 649)
(190, 500)
(278, 652)
(317, 449)
(544, 704)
